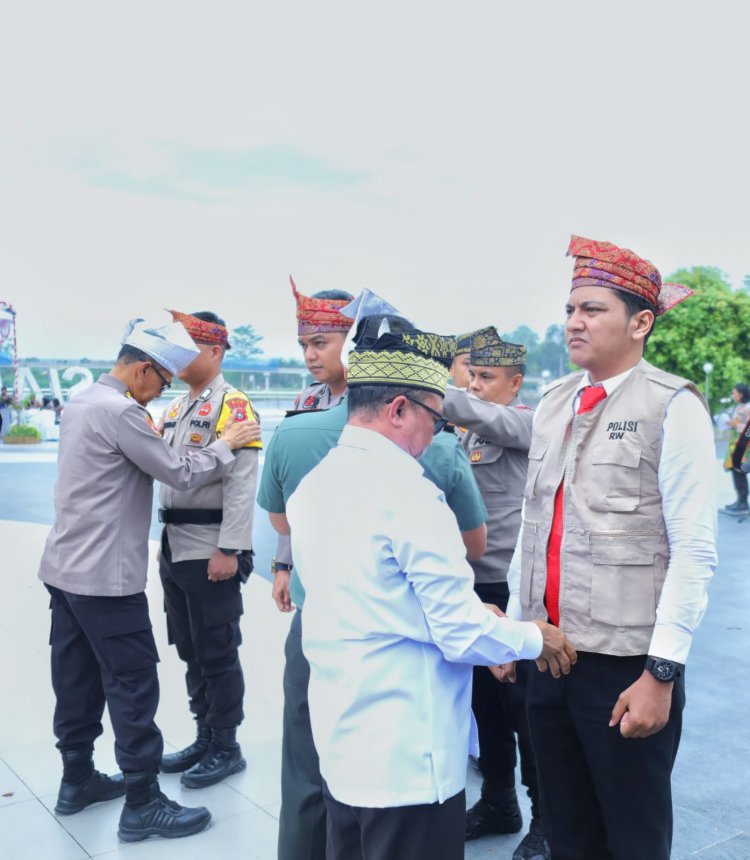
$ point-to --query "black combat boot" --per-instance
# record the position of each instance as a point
(82, 785)
(224, 757)
(184, 759)
(496, 811)
(533, 846)
(148, 812)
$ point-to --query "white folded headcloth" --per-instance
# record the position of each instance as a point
(169, 345)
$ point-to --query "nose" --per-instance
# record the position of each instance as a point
(574, 321)
(473, 385)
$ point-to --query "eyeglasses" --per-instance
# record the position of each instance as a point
(437, 418)
(166, 385)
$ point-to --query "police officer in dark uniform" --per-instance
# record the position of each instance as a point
(206, 554)
(496, 437)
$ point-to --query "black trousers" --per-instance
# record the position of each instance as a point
(103, 650)
(302, 819)
(500, 712)
(203, 622)
(603, 797)
(430, 830)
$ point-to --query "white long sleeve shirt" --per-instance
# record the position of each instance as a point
(391, 626)
(687, 485)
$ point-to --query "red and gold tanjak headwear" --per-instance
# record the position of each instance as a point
(202, 331)
(602, 264)
(318, 315)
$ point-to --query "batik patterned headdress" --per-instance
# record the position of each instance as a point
(202, 331)
(319, 315)
(602, 264)
(488, 349)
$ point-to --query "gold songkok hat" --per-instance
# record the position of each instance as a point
(488, 349)
(407, 360)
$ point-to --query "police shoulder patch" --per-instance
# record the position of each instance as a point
(236, 404)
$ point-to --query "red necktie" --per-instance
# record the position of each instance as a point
(590, 397)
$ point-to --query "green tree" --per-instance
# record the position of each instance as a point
(713, 326)
(244, 341)
(553, 353)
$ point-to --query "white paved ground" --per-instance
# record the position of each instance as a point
(712, 786)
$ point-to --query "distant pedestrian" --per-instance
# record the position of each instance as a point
(738, 449)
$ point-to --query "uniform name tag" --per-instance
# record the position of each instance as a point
(618, 429)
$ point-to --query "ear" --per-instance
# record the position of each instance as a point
(395, 411)
(516, 383)
(643, 323)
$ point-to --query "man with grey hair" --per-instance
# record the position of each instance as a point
(94, 566)
(392, 624)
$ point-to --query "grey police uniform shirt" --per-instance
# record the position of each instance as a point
(109, 454)
(190, 425)
(496, 440)
(318, 396)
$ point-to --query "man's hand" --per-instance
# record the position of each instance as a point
(643, 709)
(558, 655)
(505, 673)
(280, 590)
(221, 566)
(237, 434)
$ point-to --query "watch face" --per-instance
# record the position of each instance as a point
(663, 670)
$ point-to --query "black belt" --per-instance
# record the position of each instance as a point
(190, 516)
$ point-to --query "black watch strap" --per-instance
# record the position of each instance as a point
(665, 671)
(229, 551)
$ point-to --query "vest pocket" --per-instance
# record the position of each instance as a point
(537, 450)
(616, 478)
(623, 590)
(528, 545)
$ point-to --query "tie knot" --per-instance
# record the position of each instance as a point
(590, 396)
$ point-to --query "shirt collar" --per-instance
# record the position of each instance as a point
(113, 382)
(609, 385)
(377, 443)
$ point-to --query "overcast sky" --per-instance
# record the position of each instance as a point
(193, 155)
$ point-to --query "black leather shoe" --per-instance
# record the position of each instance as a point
(224, 757)
(497, 811)
(533, 846)
(184, 759)
(737, 508)
(161, 817)
(97, 788)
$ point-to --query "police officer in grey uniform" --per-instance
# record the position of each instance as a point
(496, 436)
(206, 554)
(94, 566)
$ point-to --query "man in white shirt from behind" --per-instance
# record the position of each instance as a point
(393, 626)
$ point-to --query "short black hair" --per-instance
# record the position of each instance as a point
(340, 295)
(130, 354)
(634, 305)
(516, 368)
(743, 390)
(209, 317)
(368, 400)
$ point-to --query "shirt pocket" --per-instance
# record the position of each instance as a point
(537, 452)
(615, 478)
(623, 588)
